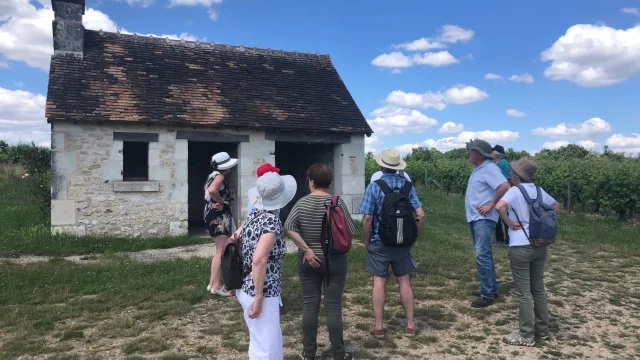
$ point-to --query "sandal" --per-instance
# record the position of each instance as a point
(221, 292)
(378, 334)
(411, 332)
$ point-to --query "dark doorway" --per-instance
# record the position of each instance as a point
(295, 159)
(200, 154)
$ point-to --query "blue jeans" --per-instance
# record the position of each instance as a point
(482, 236)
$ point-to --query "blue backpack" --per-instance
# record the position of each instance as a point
(543, 220)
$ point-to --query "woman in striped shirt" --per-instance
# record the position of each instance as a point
(304, 227)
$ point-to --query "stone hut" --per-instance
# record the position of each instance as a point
(136, 119)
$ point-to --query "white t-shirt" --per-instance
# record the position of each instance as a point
(516, 202)
(378, 175)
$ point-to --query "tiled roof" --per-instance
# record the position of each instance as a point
(156, 80)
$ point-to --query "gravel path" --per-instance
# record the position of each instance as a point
(182, 252)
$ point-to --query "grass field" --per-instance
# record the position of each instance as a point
(119, 308)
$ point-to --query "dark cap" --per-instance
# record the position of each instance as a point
(499, 148)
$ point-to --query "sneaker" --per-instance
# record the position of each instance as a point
(544, 336)
(477, 293)
(481, 302)
(518, 340)
(348, 356)
(305, 357)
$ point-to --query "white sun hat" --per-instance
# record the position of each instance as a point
(223, 161)
(273, 191)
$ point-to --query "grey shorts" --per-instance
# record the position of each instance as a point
(380, 256)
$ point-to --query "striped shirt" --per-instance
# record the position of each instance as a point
(306, 219)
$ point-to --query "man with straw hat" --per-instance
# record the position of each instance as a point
(381, 256)
(486, 187)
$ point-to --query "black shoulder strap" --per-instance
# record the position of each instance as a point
(539, 198)
(384, 186)
(520, 222)
(406, 188)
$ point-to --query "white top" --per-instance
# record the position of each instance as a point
(516, 202)
(378, 175)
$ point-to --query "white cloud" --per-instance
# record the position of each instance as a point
(450, 128)
(4, 64)
(492, 76)
(22, 117)
(515, 113)
(436, 59)
(371, 141)
(450, 143)
(630, 10)
(213, 15)
(26, 33)
(628, 144)
(397, 120)
(525, 78)
(589, 145)
(420, 45)
(141, 3)
(594, 55)
(395, 59)
(589, 128)
(459, 95)
(448, 34)
(554, 145)
(396, 71)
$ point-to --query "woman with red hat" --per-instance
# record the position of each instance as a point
(263, 169)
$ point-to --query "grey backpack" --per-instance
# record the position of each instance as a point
(543, 220)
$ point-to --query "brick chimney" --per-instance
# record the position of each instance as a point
(68, 31)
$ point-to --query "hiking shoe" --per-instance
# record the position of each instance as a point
(305, 357)
(477, 293)
(378, 334)
(544, 336)
(518, 340)
(348, 356)
(481, 302)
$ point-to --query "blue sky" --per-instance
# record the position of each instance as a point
(424, 73)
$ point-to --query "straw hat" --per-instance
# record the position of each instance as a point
(273, 191)
(525, 168)
(391, 159)
(222, 161)
(481, 146)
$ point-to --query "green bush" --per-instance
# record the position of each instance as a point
(36, 161)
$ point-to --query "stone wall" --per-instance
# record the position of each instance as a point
(90, 198)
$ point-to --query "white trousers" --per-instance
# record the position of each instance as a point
(265, 334)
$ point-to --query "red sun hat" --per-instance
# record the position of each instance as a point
(265, 168)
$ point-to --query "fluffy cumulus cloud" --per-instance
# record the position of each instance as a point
(450, 128)
(590, 128)
(397, 120)
(587, 144)
(26, 33)
(370, 142)
(515, 113)
(450, 143)
(594, 55)
(628, 144)
(459, 95)
(22, 117)
(449, 34)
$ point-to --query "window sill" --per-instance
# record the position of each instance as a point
(136, 186)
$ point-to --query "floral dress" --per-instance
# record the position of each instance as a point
(258, 223)
(218, 222)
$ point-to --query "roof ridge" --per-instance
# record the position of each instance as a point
(207, 45)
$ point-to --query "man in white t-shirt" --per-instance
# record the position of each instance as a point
(378, 175)
(527, 262)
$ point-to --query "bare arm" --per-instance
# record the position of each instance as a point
(500, 191)
(555, 206)
(367, 222)
(420, 218)
(298, 240)
(214, 189)
(502, 208)
(259, 262)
